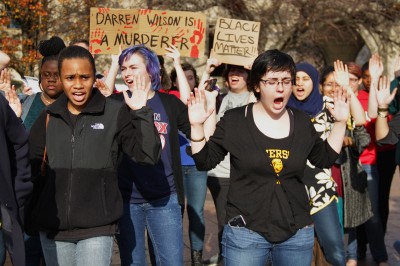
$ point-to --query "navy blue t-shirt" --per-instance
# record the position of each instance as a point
(142, 183)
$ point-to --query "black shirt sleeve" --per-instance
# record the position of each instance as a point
(394, 130)
(37, 140)
(322, 155)
(17, 138)
(213, 152)
(138, 136)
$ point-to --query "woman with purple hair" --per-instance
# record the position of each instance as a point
(153, 195)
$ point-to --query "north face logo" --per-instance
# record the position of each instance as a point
(97, 126)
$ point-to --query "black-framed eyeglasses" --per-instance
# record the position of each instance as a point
(274, 83)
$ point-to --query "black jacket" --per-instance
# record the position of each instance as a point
(178, 121)
(81, 189)
(15, 180)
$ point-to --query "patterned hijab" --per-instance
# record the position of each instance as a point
(312, 105)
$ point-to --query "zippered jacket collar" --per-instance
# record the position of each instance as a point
(95, 105)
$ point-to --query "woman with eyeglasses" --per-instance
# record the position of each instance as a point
(354, 76)
(218, 181)
(354, 205)
(268, 211)
(323, 196)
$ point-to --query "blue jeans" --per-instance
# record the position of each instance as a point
(352, 244)
(330, 234)
(242, 246)
(2, 248)
(373, 227)
(163, 220)
(195, 182)
(94, 251)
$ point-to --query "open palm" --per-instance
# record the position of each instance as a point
(383, 95)
(197, 107)
(139, 93)
(341, 109)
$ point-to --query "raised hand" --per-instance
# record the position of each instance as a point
(5, 80)
(103, 88)
(341, 109)
(173, 52)
(139, 93)
(383, 95)
(197, 107)
(115, 57)
(212, 63)
(375, 67)
(13, 101)
(341, 73)
(26, 89)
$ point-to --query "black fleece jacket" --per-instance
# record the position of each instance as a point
(80, 190)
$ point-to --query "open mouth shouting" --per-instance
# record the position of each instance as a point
(79, 96)
(129, 81)
(299, 91)
(278, 103)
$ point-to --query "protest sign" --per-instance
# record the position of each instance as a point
(236, 41)
(110, 28)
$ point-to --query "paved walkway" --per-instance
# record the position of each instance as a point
(211, 241)
(211, 247)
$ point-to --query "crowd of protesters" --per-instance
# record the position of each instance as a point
(294, 159)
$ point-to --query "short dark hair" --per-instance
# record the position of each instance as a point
(325, 73)
(270, 60)
(229, 67)
(365, 67)
(185, 67)
(75, 52)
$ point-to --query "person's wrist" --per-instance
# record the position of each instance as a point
(177, 63)
(196, 127)
(383, 107)
(197, 139)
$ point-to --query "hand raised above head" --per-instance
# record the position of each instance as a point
(375, 67)
(139, 91)
(383, 95)
(197, 107)
(341, 73)
(5, 80)
(341, 109)
(174, 53)
(212, 63)
(115, 57)
(13, 101)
